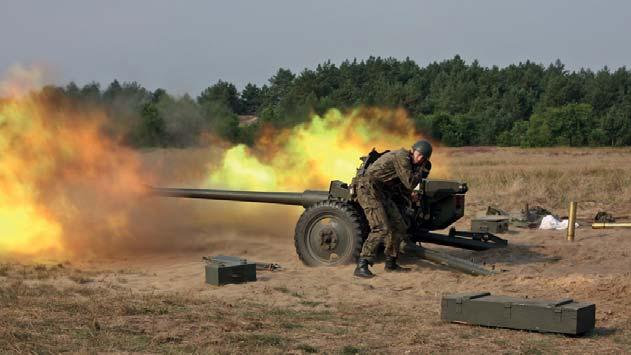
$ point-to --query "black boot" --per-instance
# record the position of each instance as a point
(362, 269)
(392, 266)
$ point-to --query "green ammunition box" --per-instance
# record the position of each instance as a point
(490, 224)
(222, 270)
(481, 308)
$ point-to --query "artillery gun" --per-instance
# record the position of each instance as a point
(332, 228)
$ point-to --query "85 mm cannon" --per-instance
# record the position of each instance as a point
(332, 228)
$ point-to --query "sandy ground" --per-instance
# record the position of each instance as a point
(393, 313)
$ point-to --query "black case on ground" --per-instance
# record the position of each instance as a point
(222, 270)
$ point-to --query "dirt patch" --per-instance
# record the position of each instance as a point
(160, 303)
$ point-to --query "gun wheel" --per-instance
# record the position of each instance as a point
(330, 233)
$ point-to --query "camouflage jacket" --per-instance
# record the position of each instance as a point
(395, 171)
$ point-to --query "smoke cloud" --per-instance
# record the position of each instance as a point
(70, 188)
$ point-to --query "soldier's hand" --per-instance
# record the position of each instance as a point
(415, 197)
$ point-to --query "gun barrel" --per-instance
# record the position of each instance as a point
(305, 199)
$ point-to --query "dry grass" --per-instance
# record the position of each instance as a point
(52, 316)
(44, 318)
(509, 177)
(66, 308)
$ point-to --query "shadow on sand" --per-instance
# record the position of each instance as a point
(514, 254)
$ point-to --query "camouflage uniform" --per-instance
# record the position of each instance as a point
(388, 177)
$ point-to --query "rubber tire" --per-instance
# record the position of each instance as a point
(346, 212)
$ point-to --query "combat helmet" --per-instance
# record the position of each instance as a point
(424, 147)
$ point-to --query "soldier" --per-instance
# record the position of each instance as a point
(393, 172)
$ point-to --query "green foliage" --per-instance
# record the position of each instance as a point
(250, 99)
(221, 119)
(521, 105)
(615, 125)
(152, 130)
(568, 125)
(222, 93)
(525, 104)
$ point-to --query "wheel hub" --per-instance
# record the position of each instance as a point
(328, 239)
(325, 238)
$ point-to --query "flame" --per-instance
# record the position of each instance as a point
(67, 189)
(25, 225)
(312, 154)
(51, 159)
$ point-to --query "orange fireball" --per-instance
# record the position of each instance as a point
(51, 160)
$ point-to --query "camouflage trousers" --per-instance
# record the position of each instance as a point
(387, 225)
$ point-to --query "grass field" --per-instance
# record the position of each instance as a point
(595, 177)
(159, 302)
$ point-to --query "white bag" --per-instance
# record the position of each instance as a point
(549, 222)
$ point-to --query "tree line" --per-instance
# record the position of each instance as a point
(525, 104)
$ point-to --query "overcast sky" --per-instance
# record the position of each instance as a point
(184, 46)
